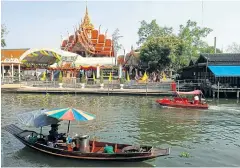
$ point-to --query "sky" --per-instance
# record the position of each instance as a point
(40, 24)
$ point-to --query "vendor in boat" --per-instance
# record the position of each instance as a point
(196, 99)
(53, 133)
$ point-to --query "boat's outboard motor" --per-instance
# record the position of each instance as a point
(82, 143)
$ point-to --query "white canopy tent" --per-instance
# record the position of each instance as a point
(94, 61)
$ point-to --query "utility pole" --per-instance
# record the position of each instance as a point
(215, 43)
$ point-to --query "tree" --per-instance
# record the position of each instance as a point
(3, 33)
(234, 48)
(115, 38)
(210, 50)
(155, 54)
(176, 46)
(152, 29)
(192, 36)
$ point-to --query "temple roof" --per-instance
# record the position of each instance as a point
(86, 24)
(12, 53)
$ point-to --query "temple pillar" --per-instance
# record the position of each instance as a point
(120, 71)
(3, 70)
(12, 72)
(98, 72)
(19, 71)
(36, 74)
(136, 72)
(52, 77)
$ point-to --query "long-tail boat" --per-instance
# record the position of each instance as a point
(93, 150)
(181, 102)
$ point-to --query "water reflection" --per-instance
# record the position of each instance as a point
(210, 136)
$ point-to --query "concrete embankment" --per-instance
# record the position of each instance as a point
(26, 89)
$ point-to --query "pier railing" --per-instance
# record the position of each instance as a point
(163, 85)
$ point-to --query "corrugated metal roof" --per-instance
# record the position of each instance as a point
(224, 57)
(225, 71)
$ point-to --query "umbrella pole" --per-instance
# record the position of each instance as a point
(68, 126)
(41, 132)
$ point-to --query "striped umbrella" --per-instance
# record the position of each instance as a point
(70, 114)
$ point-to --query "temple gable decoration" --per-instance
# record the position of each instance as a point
(88, 41)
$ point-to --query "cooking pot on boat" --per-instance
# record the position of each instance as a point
(82, 143)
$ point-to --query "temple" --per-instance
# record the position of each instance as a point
(87, 49)
(88, 41)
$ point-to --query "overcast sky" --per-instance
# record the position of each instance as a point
(41, 24)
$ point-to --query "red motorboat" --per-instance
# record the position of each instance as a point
(183, 102)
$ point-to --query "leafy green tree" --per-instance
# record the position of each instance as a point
(184, 46)
(152, 29)
(3, 33)
(210, 50)
(155, 54)
(192, 36)
(176, 46)
(234, 48)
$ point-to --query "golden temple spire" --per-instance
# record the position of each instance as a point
(86, 24)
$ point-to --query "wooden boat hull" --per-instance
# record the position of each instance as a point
(138, 156)
(181, 104)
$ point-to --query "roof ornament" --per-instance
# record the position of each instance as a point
(99, 29)
(86, 21)
(106, 33)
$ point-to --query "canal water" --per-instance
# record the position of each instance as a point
(211, 137)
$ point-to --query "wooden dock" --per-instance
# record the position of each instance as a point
(105, 91)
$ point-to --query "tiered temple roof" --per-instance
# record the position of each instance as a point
(88, 41)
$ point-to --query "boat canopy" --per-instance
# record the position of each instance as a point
(195, 92)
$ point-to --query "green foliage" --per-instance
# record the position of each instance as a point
(83, 79)
(192, 36)
(185, 154)
(3, 33)
(209, 50)
(155, 54)
(152, 29)
(122, 80)
(184, 46)
(60, 78)
(176, 47)
(101, 76)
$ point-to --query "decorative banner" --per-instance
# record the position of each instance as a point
(145, 77)
(53, 53)
(110, 77)
(58, 57)
(164, 76)
(24, 61)
(34, 54)
(128, 77)
(43, 52)
(94, 78)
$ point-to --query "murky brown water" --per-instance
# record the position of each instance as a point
(211, 137)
